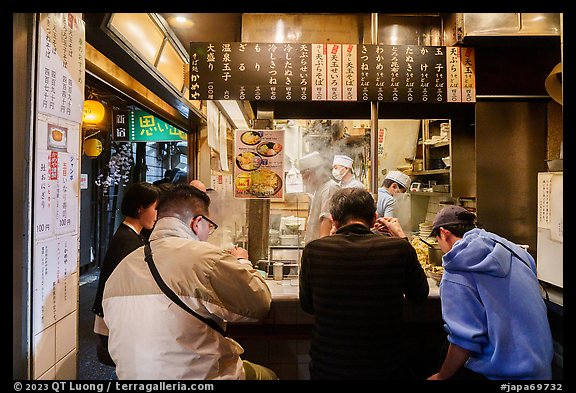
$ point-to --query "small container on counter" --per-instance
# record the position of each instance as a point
(278, 270)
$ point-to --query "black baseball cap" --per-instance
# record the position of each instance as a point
(451, 215)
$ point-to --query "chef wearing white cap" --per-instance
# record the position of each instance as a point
(394, 184)
(317, 181)
(342, 172)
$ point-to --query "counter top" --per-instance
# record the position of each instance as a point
(287, 289)
(284, 290)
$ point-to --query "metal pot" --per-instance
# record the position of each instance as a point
(435, 256)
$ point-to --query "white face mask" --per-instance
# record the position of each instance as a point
(338, 175)
(400, 196)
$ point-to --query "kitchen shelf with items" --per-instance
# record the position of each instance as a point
(285, 246)
(431, 172)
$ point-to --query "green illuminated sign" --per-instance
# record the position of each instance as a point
(145, 127)
(141, 126)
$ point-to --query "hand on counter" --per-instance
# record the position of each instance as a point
(238, 252)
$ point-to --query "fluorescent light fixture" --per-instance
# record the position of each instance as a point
(234, 113)
(140, 31)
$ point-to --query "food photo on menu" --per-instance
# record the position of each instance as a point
(259, 168)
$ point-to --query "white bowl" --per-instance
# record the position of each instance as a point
(446, 161)
(555, 165)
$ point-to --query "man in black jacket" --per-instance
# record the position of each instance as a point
(354, 283)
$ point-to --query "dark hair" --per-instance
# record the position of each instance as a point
(388, 182)
(348, 203)
(180, 177)
(165, 180)
(164, 186)
(137, 196)
(181, 198)
(457, 230)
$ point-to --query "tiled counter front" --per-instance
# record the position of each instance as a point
(282, 340)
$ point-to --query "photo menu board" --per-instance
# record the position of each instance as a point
(331, 72)
(259, 164)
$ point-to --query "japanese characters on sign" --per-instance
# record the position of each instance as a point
(61, 66)
(56, 289)
(250, 71)
(141, 126)
(453, 74)
(57, 177)
(331, 72)
(259, 164)
(58, 111)
(349, 72)
(468, 75)
(402, 73)
(319, 72)
(334, 72)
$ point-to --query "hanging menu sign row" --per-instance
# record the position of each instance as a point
(331, 72)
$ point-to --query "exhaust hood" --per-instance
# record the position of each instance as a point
(462, 27)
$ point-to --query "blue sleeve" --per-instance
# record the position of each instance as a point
(380, 207)
(390, 208)
(386, 205)
(464, 316)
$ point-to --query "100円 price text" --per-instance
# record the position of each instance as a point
(530, 386)
(109, 386)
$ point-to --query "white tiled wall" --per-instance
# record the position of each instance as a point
(433, 207)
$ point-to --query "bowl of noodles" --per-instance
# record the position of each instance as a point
(248, 161)
(269, 149)
(265, 183)
(251, 137)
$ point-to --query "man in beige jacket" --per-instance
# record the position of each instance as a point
(151, 337)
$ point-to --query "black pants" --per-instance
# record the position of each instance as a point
(102, 351)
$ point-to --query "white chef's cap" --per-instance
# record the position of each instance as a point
(343, 160)
(312, 160)
(400, 178)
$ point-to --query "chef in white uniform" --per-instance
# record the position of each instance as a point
(342, 171)
(317, 183)
(395, 183)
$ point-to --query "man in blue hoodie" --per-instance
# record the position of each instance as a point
(492, 307)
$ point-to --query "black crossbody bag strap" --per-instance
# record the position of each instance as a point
(513, 252)
(170, 293)
(526, 263)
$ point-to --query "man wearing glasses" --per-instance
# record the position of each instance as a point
(151, 337)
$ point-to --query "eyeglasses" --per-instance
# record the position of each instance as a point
(212, 226)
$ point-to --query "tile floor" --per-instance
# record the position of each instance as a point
(89, 368)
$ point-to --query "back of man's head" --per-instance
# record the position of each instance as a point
(352, 203)
(184, 202)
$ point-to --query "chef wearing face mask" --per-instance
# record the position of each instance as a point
(394, 185)
(342, 172)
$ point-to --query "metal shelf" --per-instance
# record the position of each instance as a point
(428, 193)
(437, 144)
(431, 172)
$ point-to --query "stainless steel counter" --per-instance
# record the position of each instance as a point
(287, 289)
